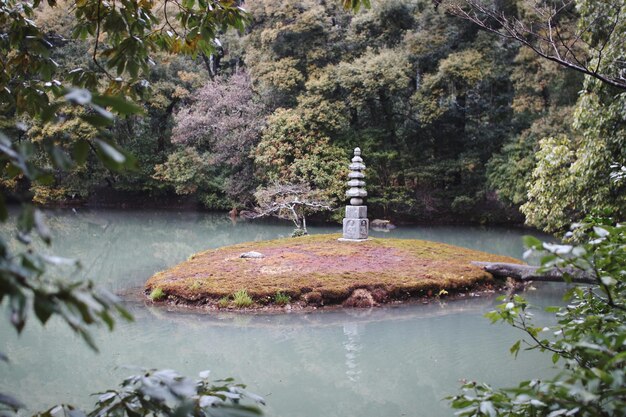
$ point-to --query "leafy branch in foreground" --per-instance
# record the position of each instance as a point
(125, 35)
(588, 339)
(169, 394)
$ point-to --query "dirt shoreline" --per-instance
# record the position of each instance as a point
(178, 305)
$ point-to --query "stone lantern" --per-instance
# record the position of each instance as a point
(356, 224)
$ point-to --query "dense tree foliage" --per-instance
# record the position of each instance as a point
(450, 118)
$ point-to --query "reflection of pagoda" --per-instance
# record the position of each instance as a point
(355, 223)
(353, 347)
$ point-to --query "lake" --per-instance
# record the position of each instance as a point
(383, 362)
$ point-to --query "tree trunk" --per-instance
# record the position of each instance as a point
(529, 273)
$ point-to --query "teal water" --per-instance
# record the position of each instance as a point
(395, 361)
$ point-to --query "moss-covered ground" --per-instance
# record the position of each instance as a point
(320, 270)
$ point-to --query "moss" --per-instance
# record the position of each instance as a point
(399, 268)
(157, 294)
(195, 286)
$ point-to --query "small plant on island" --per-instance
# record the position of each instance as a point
(241, 299)
(282, 299)
(157, 294)
(224, 302)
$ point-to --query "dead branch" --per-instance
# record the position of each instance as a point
(531, 273)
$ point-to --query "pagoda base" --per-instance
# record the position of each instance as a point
(355, 229)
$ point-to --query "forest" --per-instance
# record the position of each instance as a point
(455, 124)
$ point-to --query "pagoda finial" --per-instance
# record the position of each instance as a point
(356, 192)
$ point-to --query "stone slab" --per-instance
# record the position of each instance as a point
(341, 239)
(356, 212)
(355, 228)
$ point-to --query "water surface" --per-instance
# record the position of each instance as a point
(396, 361)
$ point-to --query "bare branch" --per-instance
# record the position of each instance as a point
(543, 37)
(290, 201)
(94, 56)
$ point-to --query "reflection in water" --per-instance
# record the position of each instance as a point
(352, 346)
(369, 363)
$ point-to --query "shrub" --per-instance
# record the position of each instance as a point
(241, 299)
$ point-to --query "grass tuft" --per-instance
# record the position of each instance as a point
(241, 299)
(281, 299)
(224, 302)
(157, 294)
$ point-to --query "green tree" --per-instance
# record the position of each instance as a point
(600, 131)
(588, 339)
(291, 152)
(31, 85)
(572, 178)
(587, 37)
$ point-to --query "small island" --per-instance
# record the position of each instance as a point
(349, 270)
(319, 270)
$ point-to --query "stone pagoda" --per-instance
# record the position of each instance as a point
(356, 224)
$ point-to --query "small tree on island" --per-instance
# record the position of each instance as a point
(291, 202)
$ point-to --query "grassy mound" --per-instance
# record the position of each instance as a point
(320, 270)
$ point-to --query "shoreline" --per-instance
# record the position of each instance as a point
(180, 305)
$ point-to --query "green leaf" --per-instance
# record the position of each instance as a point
(494, 316)
(532, 242)
(97, 120)
(600, 231)
(515, 348)
(80, 151)
(79, 96)
(41, 226)
(26, 219)
(17, 311)
(88, 339)
(608, 281)
(118, 104)
(43, 308)
(111, 157)
(60, 158)
(45, 179)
